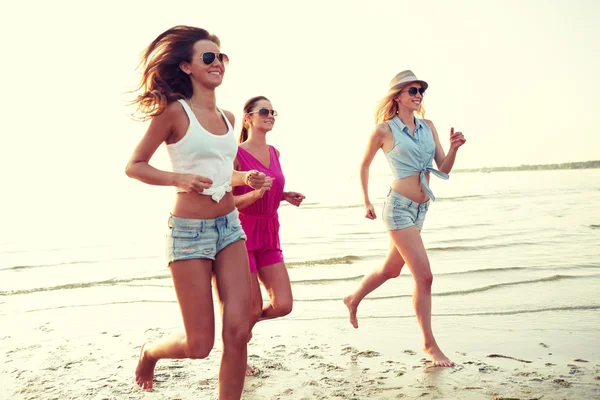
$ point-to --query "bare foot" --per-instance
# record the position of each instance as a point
(251, 371)
(144, 373)
(349, 302)
(438, 358)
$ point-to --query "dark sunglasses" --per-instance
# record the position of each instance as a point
(209, 57)
(412, 92)
(263, 112)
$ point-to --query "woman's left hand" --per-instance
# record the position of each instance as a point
(457, 139)
(294, 198)
(255, 179)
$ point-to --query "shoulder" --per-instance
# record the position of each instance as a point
(242, 146)
(173, 115)
(173, 110)
(381, 131)
(429, 123)
(276, 151)
(230, 117)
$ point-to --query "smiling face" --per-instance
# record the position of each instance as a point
(261, 120)
(208, 75)
(410, 97)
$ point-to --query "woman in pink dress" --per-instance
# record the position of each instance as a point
(258, 214)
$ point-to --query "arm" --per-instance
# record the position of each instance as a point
(446, 162)
(239, 178)
(161, 128)
(375, 143)
(252, 178)
(246, 199)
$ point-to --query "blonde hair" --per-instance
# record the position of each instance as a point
(388, 108)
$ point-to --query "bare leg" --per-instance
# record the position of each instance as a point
(191, 279)
(390, 269)
(232, 278)
(256, 305)
(410, 245)
(276, 281)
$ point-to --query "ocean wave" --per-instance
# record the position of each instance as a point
(326, 280)
(333, 206)
(478, 238)
(350, 259)
(467, 272)
(474, 314)
(532, 268)
(554, 278)
(477, 225)
(481, 247)
(21, 267)
(327, 261)
(101, 304)
(462, 198)
(81, 285)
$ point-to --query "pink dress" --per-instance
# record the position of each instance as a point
(260, 220)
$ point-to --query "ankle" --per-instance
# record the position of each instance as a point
(430, 345)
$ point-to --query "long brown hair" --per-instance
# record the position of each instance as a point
(163, 81)
(248, 108)
(388, 108)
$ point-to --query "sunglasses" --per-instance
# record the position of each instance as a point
(412, 92)
(208, 57)
(263, 112)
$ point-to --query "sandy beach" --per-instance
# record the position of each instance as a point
(304, 359)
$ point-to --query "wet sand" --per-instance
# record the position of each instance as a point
(308, 359)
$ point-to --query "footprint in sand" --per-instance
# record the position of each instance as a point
(349, 349)
(331, 367)
(487, 369)
(409, 352)
(368, 354)
(562, 382)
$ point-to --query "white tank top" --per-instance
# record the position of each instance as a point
(203, 153)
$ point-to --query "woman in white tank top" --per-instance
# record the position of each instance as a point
(182, 68)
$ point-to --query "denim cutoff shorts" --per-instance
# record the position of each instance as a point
(400, 212)
(202, 238)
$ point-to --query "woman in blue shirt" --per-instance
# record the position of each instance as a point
(410, 145)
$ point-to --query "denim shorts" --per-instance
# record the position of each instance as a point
(202, 238)
(400, 212)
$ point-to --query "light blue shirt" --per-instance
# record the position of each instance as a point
(413, 154)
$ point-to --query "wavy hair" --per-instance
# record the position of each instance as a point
(163, 81)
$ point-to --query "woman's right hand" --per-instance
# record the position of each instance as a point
(370, 211)
(266, 186)
(192, 183)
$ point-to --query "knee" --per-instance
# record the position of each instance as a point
(236, 334)
(283, 306)
(391, 271)
(424, 281)
(198, 348)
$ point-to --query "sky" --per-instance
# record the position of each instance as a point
(518, 78)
